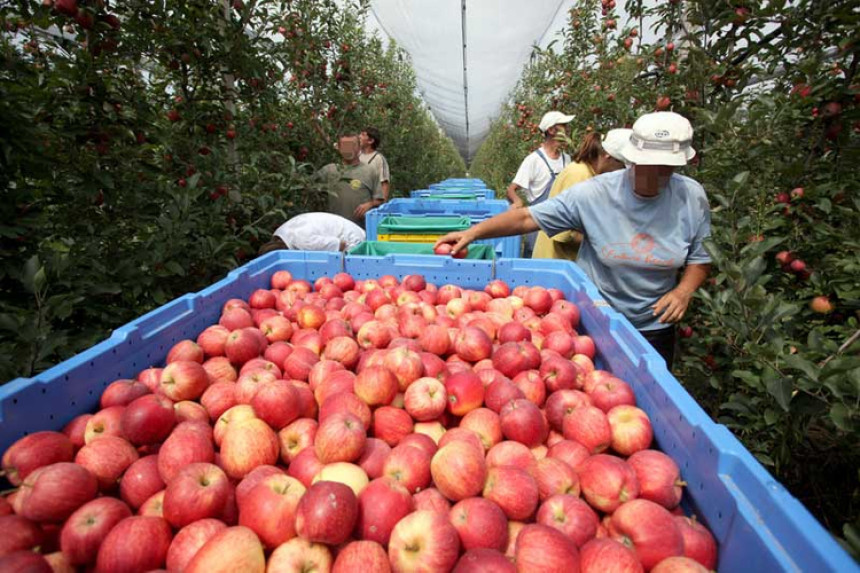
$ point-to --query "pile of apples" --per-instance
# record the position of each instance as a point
(359, 425)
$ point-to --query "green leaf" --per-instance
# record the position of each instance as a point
(780, 388)
(175, 268)
(841, 416)
(748, 377)
(796, 362)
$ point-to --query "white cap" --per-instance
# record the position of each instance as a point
(614, 140)
(552, 118)
(660, 138)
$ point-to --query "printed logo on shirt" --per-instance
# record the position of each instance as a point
(642, 249)
(355, 184)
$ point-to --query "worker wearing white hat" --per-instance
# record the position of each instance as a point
(539, 169)
(595, 156)
(641, 226)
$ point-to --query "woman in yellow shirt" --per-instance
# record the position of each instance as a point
(592, 158)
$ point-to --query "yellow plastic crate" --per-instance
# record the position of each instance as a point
(398, 238)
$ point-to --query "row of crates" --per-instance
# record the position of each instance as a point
(451, 205)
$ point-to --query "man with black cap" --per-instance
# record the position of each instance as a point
(539, 169)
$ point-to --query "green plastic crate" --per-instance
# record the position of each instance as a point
(380, 249)
(422, 225)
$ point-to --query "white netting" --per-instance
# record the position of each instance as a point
(499, 36)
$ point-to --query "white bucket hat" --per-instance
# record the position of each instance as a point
(660, 138)
(552, 118)
(614, 141)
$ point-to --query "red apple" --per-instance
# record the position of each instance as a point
(699, 544)
(107, 422)
(486, 424)
(376, 386)
(555, 477)
(236, 318)
(533, 387)
(514, 490)
(220, 369)
(183, 380)
(458, 470)
(590, 427)
(372, 460)
(365, 556)
(188, 443)
(296, 437)
(426, 541)
(327, 513)
(511, 358)
(497, 289)
(480, 523)
(232, 549)
(269, 509)
(350, 475)
(140, 481)
(434, 339)
(381, 505)
(391, 424)
(500, 393)
(373, 334)
(649, 529)
(185, 350)
(86, 528)
(410, 466)
(346, 402)
(559, 374)
(679, 565)
(341, 382)
(542, 548)
(188, 411)
(148, 420)
(189, 540)
(135, 544)
(342, 349)
(465, 392)
(218, 398)
(276, 402)
(34, 451)
(482, 560)
(243, 345)
(229, 419)
(570, 452)
(198, 491)
(213, 339)
(659, 477)
(305, 467)
(523, 422)
(425, 399)
(19, 534)
(299, 555)
(612, 392)
(571, 516)
(405, 364)
(76, 430)
(473, 344)
(631, 429)
(24, 562)
(246, 445)
(431, 500)
(107, 458)
(121, 392)
(512, 454)
(608, 556)
(340, 438)
(607, 482)
(563, 402)
(153, 506)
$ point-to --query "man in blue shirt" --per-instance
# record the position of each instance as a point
(641, 226)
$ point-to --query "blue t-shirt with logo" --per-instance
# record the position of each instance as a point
(633, 246)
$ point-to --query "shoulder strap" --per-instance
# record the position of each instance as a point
(546, 162)
(369, 161)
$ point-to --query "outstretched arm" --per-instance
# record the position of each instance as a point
(512, 222)
(673, 305)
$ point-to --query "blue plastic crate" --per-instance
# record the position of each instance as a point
(757, 523)
(459, 183)
(440, 193)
